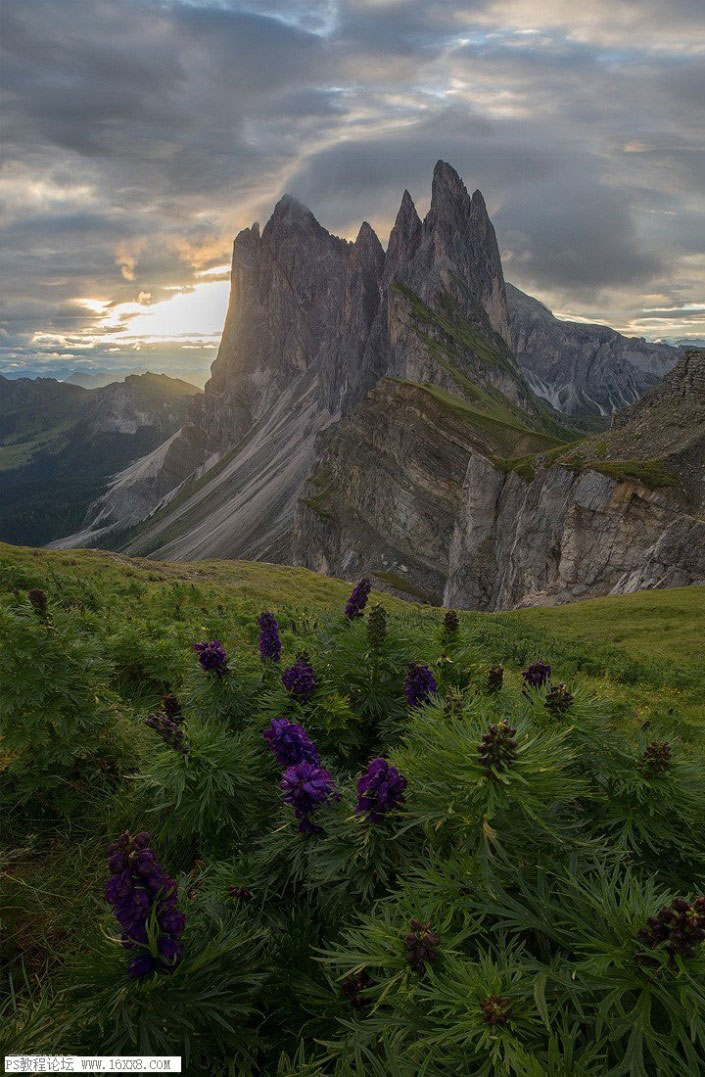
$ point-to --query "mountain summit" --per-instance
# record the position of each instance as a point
(367, 413)
(313, 323)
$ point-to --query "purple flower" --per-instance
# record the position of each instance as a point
(290, 743)
(212, 656)
(270, 646)
(140, 893)
(358, 599)
(143, 862)
(421, 945)
(299, 680)
(171, 733)
(536, 675)
(420, 685)
(451, 623)
(117, 862)
(306, 786)
(679, 928)
(170, 950)
(380, 790)
(498, 749)
(141, 965)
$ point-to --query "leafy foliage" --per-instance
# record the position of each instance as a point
(502, 875)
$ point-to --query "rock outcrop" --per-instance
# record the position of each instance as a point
(314, 323)
(582, 369)
(366, 413)
(511, 522)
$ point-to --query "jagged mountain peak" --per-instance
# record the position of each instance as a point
(367, 237)
(450, 201)
(478, 209)
(291, 217)
(404, 238)
(288, 206)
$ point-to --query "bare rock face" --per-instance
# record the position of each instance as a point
(317, 321)
(457, 254)
(564, 537)
(582, 369)
(511, 522)
(366, 413)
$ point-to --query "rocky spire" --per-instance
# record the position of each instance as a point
(404, 239)
(450, 201)
(367, 249)
(454, 251)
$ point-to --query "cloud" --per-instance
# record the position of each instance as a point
(141, 136)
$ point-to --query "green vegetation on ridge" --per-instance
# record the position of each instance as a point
(451, 340)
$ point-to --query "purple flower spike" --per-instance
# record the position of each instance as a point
(421, 945)
(212, 656)
(290, 743)
(380, 790)
(358, 599)
(306, 786)
(299, 680)
(679, 929)
(138, 892)
(141, 965)
(537, 675)
(420, 685)
(171, 733)
(270, 646)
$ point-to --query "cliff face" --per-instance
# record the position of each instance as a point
(513, 522)
(314, 322)
(366, 413)
(582, 369)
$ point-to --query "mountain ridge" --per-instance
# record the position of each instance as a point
(583, 368)
(326, 343)
(318, 317)
(529, 525)
(61, 443)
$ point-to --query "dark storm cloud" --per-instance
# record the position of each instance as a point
(140, 136)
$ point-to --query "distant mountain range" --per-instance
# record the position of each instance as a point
(582, 369)
(405, 414)
(87, 380)
(60, 444)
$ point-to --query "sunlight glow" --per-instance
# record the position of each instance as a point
(200, 312)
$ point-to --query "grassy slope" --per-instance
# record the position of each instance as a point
(640, 649)
(642, 646)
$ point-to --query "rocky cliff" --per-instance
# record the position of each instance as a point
(513, 521)
(314, 322)
(582, 370)
(367, 413)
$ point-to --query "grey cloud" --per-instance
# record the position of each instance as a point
(187, 119)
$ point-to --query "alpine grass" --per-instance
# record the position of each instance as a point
(344, 840)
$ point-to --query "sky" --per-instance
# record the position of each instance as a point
(139, 136)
